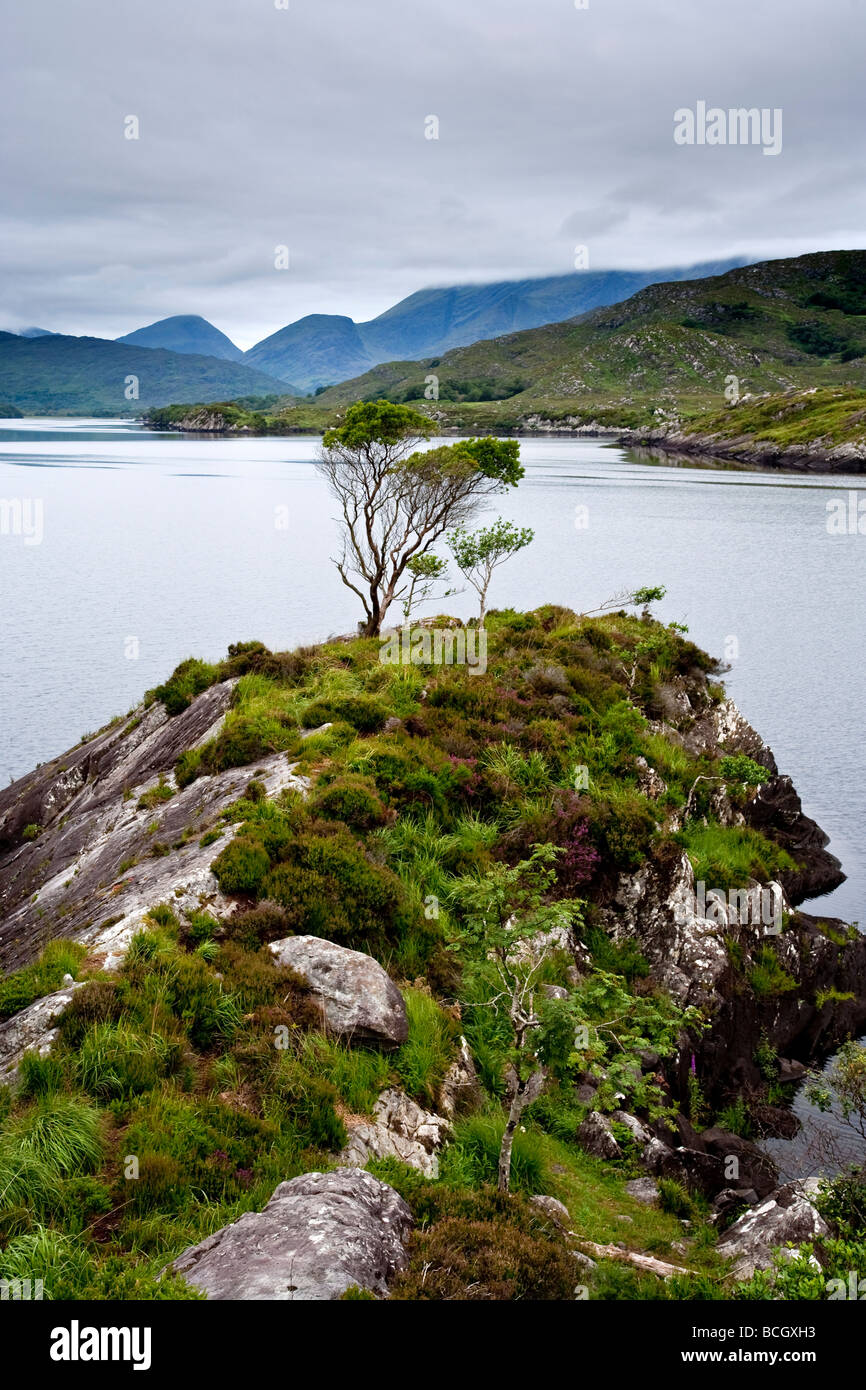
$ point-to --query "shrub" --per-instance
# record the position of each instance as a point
(114, 1060)
(358, 1074)
(364, 712)
(352, 799)
(189, 679)
(309, 1101)
(329, 888)
(242, 866)
(486, 1246)
(619, 958)
(473, 1158)
(674, 1198)
(767, 977)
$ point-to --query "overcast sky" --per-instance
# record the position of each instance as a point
(305, 127)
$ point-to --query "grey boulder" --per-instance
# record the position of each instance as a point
(399, 1129)
(595, 1135)
(788, 1217)
(319, 1235)
(359, 1001)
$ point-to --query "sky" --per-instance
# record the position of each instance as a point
(306, 127)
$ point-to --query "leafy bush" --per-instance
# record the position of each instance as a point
(189, 679)
(352, 799)
(242, 866)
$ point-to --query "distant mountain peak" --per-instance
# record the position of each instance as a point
(324, 349)
(188, 333)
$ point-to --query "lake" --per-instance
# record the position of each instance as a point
(154, 548)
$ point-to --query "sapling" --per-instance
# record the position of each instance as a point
(478, 553)
(507, 931)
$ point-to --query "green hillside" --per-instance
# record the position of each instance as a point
(669, 350)
(61, 375)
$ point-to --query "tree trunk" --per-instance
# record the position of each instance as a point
(525, 1093)
(373, 624)
(508, 1139)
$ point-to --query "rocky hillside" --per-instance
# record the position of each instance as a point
(235, 996)
(321, 349)
(670, 349)
(821, 429)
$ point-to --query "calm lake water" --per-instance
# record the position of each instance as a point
(186, 545)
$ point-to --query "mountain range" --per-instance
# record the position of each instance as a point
(325, 348)
(310, 354)
(672, 347)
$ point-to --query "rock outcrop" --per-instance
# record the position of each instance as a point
(787, 1218)
(358, 999)
(106, 850)
(319, 1235)
(31, 1030)
(399, 1129)
(460, 1092)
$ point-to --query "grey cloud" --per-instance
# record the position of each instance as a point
(306, 127)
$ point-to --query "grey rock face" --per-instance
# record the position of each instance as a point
(319, 1235)
(633, 1125)
(594, 1135)
(643, 1190)
(460, 1092)
(358, 999)
(399, 1129)
(31, 1030)
(92, 873)
(787, 1217)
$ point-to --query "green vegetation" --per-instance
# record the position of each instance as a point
(726, 857)
(663, 356)
(452, 821)
(25, 986)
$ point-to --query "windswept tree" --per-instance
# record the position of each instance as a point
(477, 554)
(396, 500)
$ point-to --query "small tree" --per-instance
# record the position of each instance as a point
(507, 933)
(478, 554)
(425, 572)
(395, 502)
(842, 1088)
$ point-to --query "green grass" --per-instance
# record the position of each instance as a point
(25, 986)
(725, 857)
